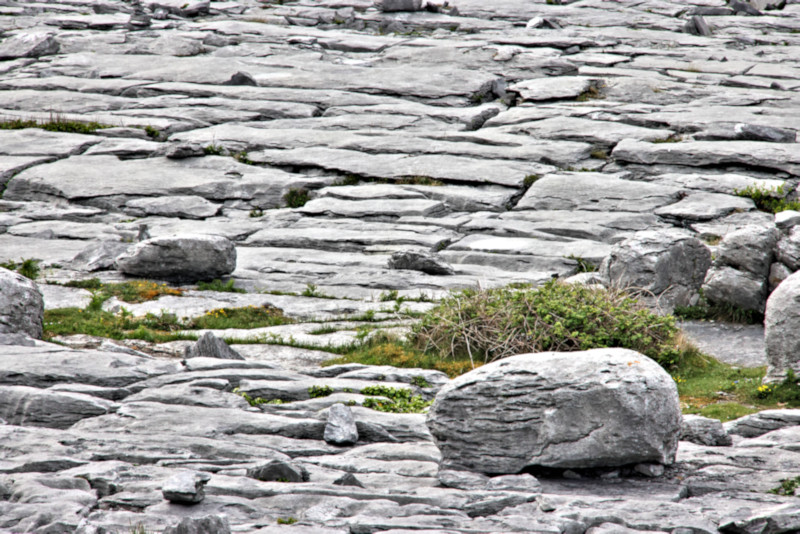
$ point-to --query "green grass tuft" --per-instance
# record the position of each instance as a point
(219, 285)
(29, 268)
(295, 198)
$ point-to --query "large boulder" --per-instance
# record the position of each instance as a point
(740, 275)
(21, 305)
(185, 258)
(669, 263)
(782, 329)
(601, 407)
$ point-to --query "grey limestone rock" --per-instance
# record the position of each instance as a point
(760, 423)
(242, 78)
(183, 206)
(184, 150)
(27, 406)
(341, 426)
(181, 257)
(726, 285)
(348, 479)
(388, 6)
(21, 305)
(788, 249)
(415, 260)
(185, 487)
(778, 272)
(787, 219)
(776, 520)
(697, 25)
(668, 261)
(99, 256)
(211, 524)
(602, 407)
(464, 480)
(782, 329)
(756, 132)
(523, 482)
(33, 44)
(704, 431)
(211, 346)
(748, 249)
(279, 470)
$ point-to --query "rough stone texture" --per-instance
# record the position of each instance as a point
(788, 251)
(28, 45)
(185, 487)
(661, 262)
(761, 423)
(211, 346)
(211, 524)
(180, 257)
(704, 431)
(782, 329)
(21, 305)
(341, 426)
(726, 285)
(279, 471)
(603, 407)
(425, 262)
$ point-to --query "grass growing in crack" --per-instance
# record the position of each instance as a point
(296, 198)
(134, 292)
(599, 154)
(286, 520)
(29, 268)
(241, 318)
(256, 213)
(56, 123)
(770, 200)
(242, 157)
(322, 330)
(152, 132)
(213, 150)
(584, 265)
(419, 180)
(219, 285)
(671, 139)
(788, 487)
(316, 392)
(400, 400)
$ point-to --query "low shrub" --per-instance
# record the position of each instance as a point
(484, 325)
(771, 200)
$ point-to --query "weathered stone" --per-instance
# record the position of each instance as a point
(697, 25)
(180, 257)
(726, 285)
(778, 519)
(280, 471)
(788, 249)
(778, 272)
(415, 260)
(348, 479)
(35, 44)
(400, 5)
(26, 406)
(100, 256)
(341, 426)
(787, 219)
(704, 431)
(21, 305)
(668, 262)
(211, 524)
(782, 329)
(184, 150)
(185, 487)
(573, 416)
(748, 249)
(211, 346)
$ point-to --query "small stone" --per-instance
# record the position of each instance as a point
(649, 470)
(755, 132)
(524, 482)
(211, 524)
(242, 78)
(704, 431)
(348, 479)
(463, 480)
(569, 474)
(341, 427)
(211, 346)
(388, 6)
(425, 262)
(185, 487)
(184, 150)
(278, 471)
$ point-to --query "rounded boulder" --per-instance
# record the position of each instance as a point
(21, 305)
(184, 258)
(596, 408)
(782, 330)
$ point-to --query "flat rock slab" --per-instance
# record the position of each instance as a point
(591, 250)
(777, 156)
(594, 192)
(741, 345)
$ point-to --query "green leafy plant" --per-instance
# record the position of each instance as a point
(420, 381)
(787, 487)
(56, 123)
(296, 198)
(219, 285)
(242, 157)
(584, 266)
(250, 400)
(771, 200)
(152, 132)
(287, 520)
(256, 212)
(319, 391)
(401, 400)
(489, 324)
(213, 150)
(29, 268)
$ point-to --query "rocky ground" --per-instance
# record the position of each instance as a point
(516, 139)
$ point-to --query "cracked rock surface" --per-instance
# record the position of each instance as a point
(499, 141)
